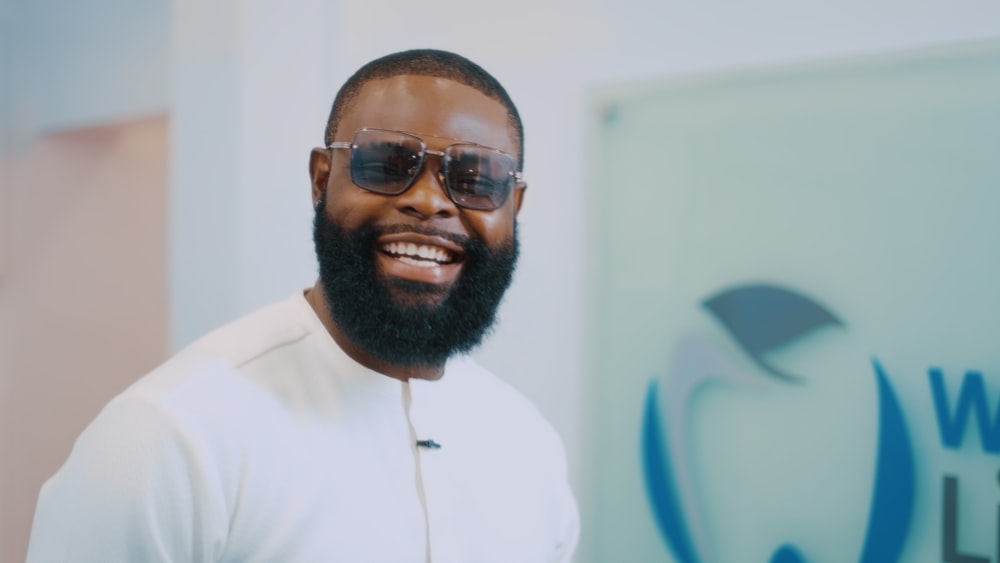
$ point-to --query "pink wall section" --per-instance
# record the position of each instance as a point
(83, 308)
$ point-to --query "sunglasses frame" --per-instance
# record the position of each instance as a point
(516, 175)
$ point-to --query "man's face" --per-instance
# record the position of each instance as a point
(447, 290)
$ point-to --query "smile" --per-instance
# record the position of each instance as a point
(423, 255)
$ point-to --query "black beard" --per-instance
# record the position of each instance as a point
(362, 304)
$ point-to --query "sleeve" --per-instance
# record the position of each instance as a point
(569, 527)
(136, 487)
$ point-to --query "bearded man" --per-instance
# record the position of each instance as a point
(346, 423)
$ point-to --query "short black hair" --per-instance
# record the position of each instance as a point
(425, 62)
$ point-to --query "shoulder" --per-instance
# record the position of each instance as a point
(215, 391)
(466, 376)
(266, 329)
(505, 412)
(232, 349)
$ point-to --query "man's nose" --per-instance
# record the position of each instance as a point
(427, 197)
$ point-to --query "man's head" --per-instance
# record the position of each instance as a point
(425, 62)
(413, 274)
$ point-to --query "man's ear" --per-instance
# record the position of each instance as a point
(319, 172)
(519, 196)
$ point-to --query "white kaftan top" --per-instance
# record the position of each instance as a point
(263, 441)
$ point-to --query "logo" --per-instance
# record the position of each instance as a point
(761, 319)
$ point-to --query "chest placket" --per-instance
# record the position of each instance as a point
(418, 445)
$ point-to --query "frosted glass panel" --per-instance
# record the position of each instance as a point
(795, 314)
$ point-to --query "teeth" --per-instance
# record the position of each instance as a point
(423, 252)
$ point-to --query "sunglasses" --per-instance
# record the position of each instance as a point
(388, 162)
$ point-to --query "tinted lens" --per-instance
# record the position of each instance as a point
(478, 177)
(385, 161)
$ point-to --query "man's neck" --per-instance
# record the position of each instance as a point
(317, 300)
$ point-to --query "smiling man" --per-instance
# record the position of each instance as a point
(346, 423)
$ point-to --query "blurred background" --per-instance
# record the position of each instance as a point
(153, 164)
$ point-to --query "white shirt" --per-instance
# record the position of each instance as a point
(264, 441)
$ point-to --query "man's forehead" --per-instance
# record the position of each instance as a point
(434, 106)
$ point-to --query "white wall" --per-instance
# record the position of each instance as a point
(249, 94)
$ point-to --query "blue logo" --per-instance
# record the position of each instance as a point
(761, 319)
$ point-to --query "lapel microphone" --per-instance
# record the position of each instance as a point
(429, 444)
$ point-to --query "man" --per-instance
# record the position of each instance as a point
(345, 424)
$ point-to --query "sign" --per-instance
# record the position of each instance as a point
(795, 314)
